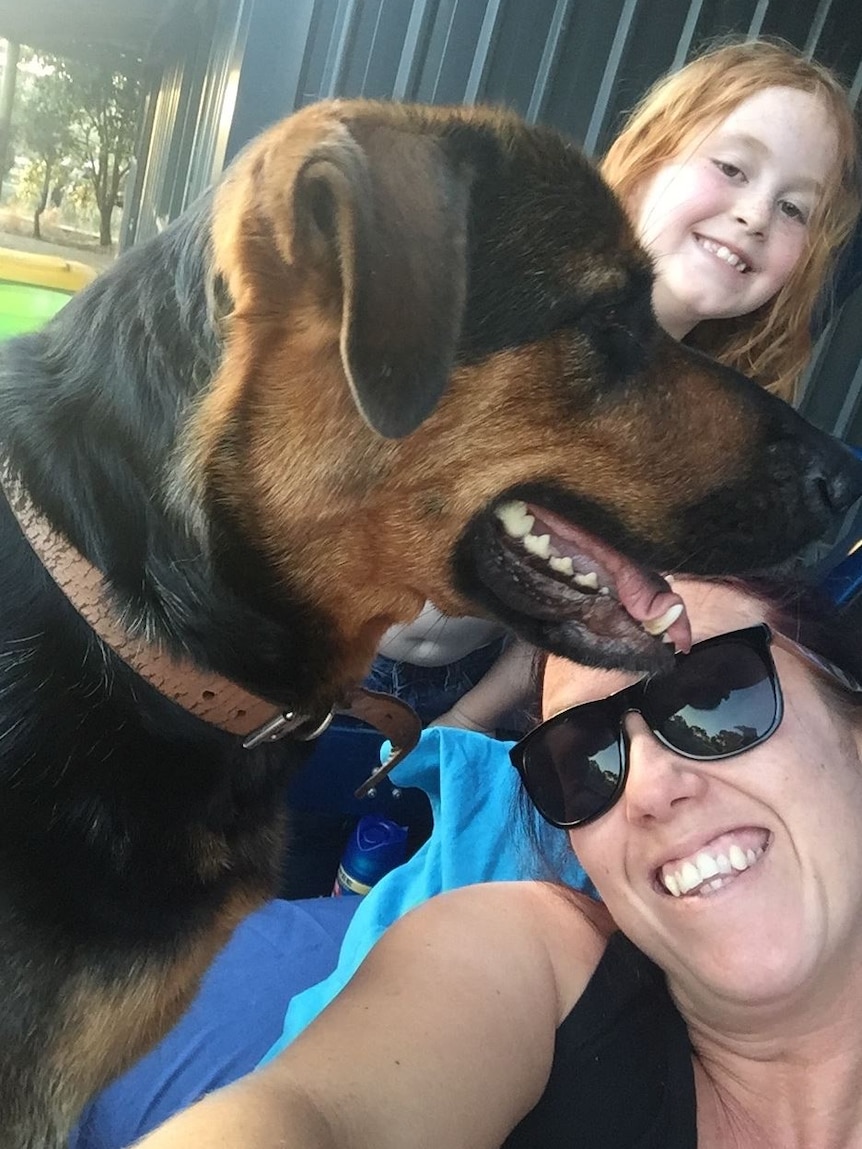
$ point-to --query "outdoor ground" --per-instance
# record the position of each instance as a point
(16, 232)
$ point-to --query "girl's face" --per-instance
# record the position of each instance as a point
(791, 808)
(727, 221)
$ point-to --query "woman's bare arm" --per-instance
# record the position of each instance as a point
(443, 1038)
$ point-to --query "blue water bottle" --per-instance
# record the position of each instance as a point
(374, 848)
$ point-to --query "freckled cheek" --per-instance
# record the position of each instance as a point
(694, 204)
(787, 256)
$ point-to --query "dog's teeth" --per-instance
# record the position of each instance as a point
(604, 590)
(516, 522)
(562, 565)
(657, 626)
(590, 581)
(538, 545)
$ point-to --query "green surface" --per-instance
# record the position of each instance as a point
(24, 308)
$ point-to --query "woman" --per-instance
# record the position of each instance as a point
(715, 999)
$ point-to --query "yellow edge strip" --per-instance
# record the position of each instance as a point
(44, 270)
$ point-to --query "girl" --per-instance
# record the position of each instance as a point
(741, 174)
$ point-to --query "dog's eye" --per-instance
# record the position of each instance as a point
(623, 332)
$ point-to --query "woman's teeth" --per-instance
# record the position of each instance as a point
(706, 872)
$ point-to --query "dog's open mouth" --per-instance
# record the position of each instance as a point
(573, 593)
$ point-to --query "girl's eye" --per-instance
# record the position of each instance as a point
(728, 169)
(792, 211)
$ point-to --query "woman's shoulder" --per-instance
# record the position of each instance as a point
(558, 932)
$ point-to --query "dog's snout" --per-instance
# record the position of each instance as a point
(800, 483)
(830, 472)
(834, 481)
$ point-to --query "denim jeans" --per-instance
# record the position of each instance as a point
(432, 690)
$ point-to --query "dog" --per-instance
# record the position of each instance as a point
(399, 354)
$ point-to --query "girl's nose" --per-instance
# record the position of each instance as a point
(658, 780)
(753, 212)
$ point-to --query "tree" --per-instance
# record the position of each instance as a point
(7, 100)
(86, 112)
(105, 131)
(48, 105)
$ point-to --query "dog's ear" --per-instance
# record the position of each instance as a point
(392, 212)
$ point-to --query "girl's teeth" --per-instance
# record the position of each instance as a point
(707, 866)
(737, 858)
(724, 253)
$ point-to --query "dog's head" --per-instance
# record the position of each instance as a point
(441, 350)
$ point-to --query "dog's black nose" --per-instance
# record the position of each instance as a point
(831, 472)
(835, 484)
(801, 484)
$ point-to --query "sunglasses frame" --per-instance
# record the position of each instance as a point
(758, 638)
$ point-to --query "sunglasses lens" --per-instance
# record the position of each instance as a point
(571, 771)
(719, 701)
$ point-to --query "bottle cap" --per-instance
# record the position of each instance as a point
(374, 848)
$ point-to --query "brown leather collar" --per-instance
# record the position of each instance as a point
(208, 696)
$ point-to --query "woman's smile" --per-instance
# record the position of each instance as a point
(715, 865)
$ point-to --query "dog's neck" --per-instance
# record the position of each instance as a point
(206, 695)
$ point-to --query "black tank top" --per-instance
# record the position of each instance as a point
(622, 1074)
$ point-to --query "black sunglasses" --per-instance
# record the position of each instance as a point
(720, 699)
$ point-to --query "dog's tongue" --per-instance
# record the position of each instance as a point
(647, 605)
(644, 594)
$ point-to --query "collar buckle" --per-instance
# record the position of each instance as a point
(283, 724)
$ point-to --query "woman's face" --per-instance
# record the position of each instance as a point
(794, 804)
(727, 221)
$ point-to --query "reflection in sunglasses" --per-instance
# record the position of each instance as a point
(740, 717)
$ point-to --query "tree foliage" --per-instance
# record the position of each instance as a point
(86, 113)
(46, 109)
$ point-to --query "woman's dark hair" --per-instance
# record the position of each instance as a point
(805, 613)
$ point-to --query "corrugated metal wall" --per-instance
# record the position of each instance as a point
(575, 64)
(189, 111)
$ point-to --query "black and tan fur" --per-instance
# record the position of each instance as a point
(277, 429)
